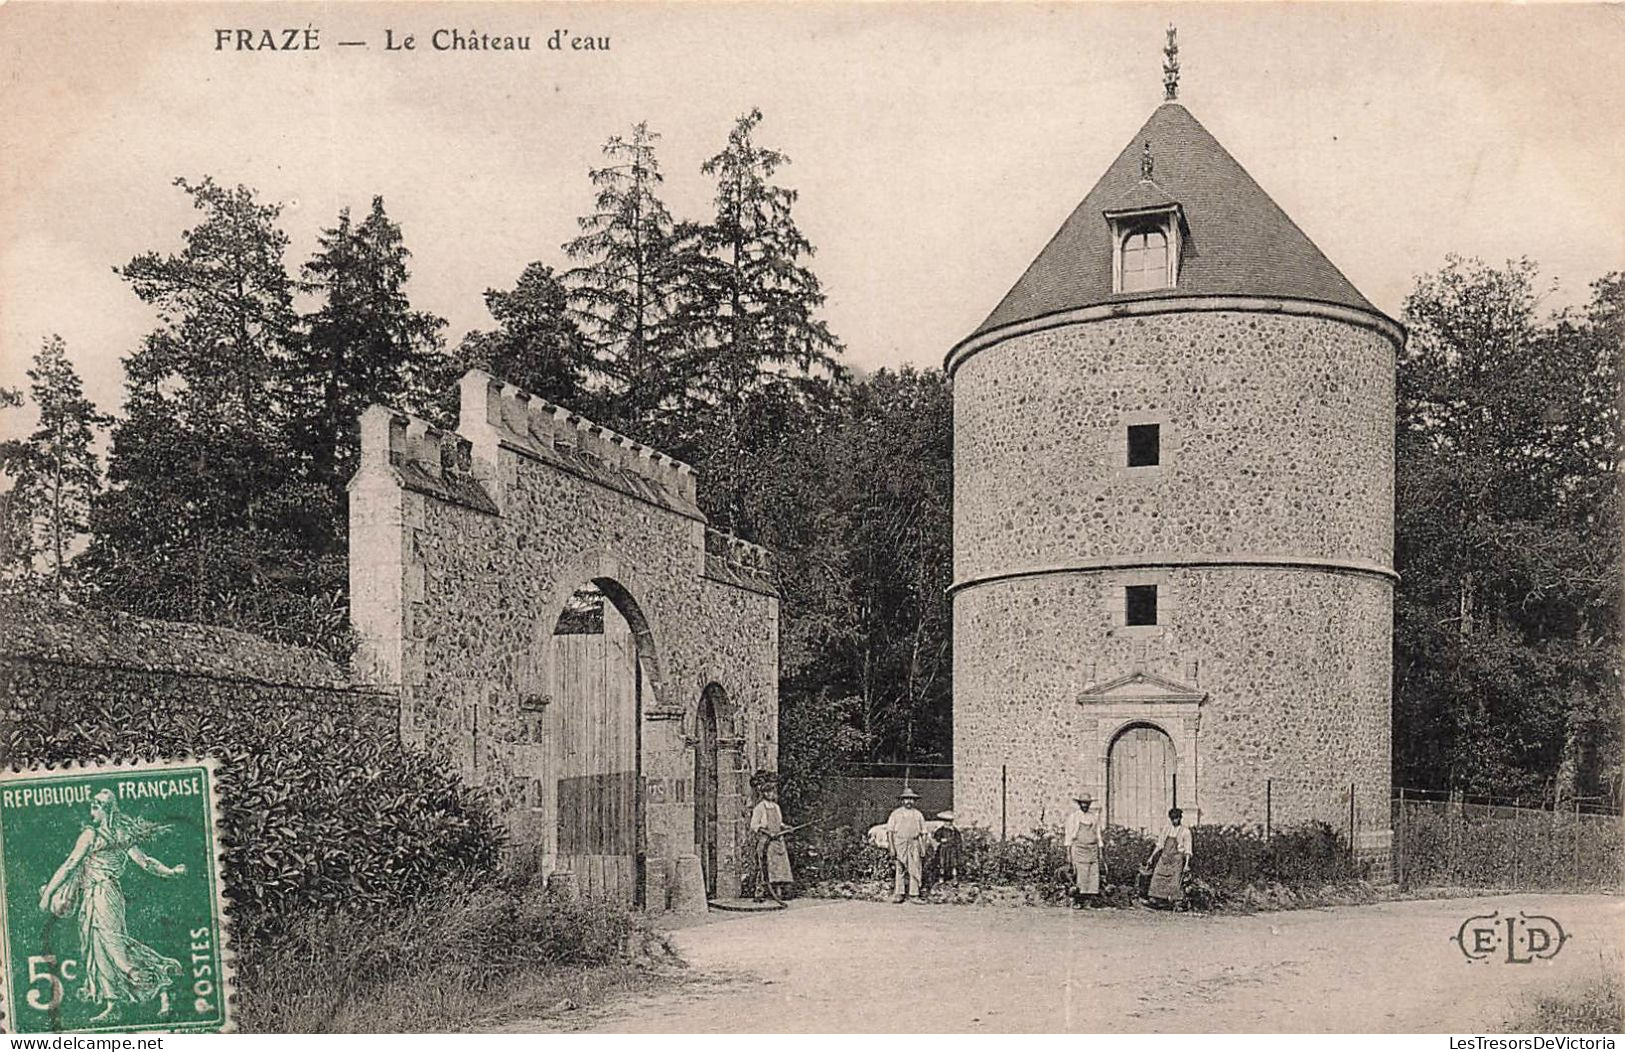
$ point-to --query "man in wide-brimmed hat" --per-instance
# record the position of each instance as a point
(1085, 848)
(905, 838)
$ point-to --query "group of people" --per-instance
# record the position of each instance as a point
(1167, 868)
(910, 841)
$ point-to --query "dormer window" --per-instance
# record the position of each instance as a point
(1146, 240)
(1147, 227)
(1145, 260)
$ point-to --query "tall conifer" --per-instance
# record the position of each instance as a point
(627, 285)
(365, 343)
(55, 471)
(751, 316)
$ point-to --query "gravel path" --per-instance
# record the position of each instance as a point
(832, 966)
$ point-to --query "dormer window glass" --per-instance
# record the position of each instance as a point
(1145, 260)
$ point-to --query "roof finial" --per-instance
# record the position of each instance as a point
(1170, 66)
(1145, 161)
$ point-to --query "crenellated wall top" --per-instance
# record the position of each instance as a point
(498, 414)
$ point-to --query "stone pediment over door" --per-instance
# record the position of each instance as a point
(1141, 699)
(1142, 688)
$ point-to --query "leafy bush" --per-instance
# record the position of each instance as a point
(440, 960)
(1236, 856)
(1233, 867)
(836, 853)
(317, 815)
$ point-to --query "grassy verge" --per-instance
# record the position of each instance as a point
(1460, 891)
(484, 957)
(1595, 1006)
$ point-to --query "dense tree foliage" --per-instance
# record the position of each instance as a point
(750, 311)
(364, 344)
(1507, 661)
(227, 471)
(208, 516)
(536, 346)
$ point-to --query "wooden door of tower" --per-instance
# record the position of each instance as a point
(1140, 770)
(705, 794)
(599, 804)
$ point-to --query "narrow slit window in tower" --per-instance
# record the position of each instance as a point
(1144, 445)
(1140, 604)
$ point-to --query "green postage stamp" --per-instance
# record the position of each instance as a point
(110, 900)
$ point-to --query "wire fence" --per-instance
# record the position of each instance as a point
(1439, 839)
(1495, 845)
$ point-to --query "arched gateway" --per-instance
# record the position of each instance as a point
(546, 598)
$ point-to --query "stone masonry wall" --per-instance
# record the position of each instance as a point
(464, 549)
(1277, 436)
(1267, 527)
(1294, 666)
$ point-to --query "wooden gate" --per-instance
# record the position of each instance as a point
(705, 792)
(598, 692)
(1140, 770)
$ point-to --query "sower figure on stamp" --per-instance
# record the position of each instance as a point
(1085, 848)
(773, 874)
(1170, 862)
(905, 839)
(117, 968)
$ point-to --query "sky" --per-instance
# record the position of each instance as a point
(936, 147)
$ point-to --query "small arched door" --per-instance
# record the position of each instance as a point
(706, 789)
(1140, 771)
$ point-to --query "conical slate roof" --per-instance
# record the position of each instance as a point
(1239, 242)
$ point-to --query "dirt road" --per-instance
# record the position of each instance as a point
(1391, 967)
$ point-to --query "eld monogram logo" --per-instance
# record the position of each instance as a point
(1525, 938)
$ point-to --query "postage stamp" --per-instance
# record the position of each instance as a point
(111, 902)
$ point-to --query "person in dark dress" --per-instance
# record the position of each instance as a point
(950, 848)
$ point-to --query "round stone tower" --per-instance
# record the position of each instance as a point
(1173, 516)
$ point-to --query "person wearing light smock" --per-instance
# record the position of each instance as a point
(1169, 862)
(772, 860)
(1085, 847)
(905, 839)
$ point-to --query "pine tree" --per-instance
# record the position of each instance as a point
(207, 518)
(537, 345)
(628, 285)
(56, 471)
(751, 318)
(365, 344)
